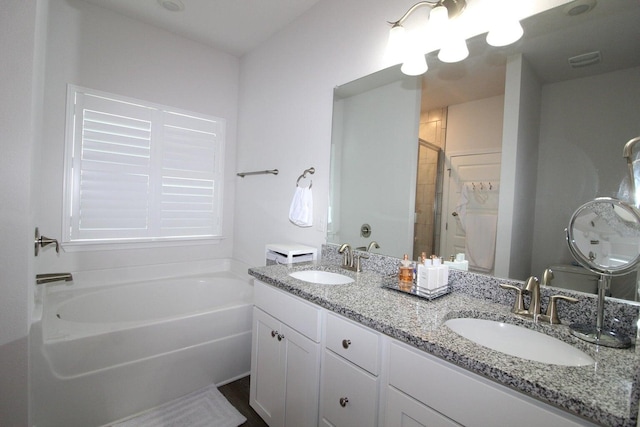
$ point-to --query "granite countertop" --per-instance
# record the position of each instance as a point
(605, 393)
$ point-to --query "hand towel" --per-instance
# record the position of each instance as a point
(461, 206)
(301, 210)
(480, 240)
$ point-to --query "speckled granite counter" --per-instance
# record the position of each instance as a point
(606, 393)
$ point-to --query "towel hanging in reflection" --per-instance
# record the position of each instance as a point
(301, 210)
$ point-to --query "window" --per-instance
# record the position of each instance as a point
(140, 172)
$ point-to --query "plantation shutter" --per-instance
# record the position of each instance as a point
(140, 172)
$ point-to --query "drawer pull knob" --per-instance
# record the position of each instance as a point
(344, 401)
(346, 343)
(280, 337)
(273, 334)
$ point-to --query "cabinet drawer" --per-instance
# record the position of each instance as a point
(299, 314)
(403, 411)
(353, 342)
(349, 396)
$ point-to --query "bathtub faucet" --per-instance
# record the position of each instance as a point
(53, 277)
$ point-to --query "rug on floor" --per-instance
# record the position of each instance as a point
(203, 408)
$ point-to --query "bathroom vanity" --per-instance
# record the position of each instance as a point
(360, 355)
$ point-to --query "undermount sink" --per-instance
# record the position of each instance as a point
(321, 277)
(518, 341)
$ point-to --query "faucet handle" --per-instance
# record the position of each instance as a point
(356, 263)
(552, 309)
(518, 305)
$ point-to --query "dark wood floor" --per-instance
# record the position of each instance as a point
(237, 393)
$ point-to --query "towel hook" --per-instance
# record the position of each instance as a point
(304, 175)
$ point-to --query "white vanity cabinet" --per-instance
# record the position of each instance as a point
(285, 358)
(350, 371)
(425, 391)
(310, 366)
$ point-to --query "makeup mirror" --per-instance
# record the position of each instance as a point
(604, 236)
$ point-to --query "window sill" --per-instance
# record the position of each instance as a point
(122, 245)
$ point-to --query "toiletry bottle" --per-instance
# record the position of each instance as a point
(432, 274)
(420, 280)
(406, 271)
(443, 274)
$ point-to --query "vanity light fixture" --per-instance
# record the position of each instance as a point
(453, 47)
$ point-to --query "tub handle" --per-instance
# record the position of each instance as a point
(42, 241)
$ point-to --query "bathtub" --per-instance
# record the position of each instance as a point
(102, 353)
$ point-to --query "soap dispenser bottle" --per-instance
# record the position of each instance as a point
(406, 271)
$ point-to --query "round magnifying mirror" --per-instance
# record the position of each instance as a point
(604, 236)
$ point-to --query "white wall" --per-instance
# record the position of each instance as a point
(21, 90)
(518, 171)
(475, 126)
(584, 125)
(93, 47)
(286, 91)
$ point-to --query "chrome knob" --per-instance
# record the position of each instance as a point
(280, 337)
(346, 343)
(273, 334)
(344, 401)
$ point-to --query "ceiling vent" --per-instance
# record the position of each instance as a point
(585, 59)
(579, 7)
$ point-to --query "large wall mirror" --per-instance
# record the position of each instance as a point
(511, 140)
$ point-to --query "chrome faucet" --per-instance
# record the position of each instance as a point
(350, 260)
(347, 255)
(532, 287)
(373, 245)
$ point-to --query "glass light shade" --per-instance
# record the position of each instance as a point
(438, 18)
(453, 49)
(397, 44)
(505, 33)
(415, 64)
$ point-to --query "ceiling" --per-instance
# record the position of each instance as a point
(233, 26)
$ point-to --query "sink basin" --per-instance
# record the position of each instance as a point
(321, 277)
(520, 342)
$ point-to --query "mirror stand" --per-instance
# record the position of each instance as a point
(597, 334)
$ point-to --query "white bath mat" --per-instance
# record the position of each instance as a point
(203, 408)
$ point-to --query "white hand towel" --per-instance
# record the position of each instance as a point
(480, 240)
(301, 210)
(461, 206)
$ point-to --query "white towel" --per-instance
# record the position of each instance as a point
(461, 207)
(480, 240)
(301, 210)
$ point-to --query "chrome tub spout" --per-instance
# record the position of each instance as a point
(53, 277)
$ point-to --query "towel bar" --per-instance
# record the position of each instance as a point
(271, 171)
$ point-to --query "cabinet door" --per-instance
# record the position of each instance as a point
(403, 411)
(302, 370)
(350, 394)
(266, 394)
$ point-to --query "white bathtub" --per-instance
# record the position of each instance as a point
(100, 354)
